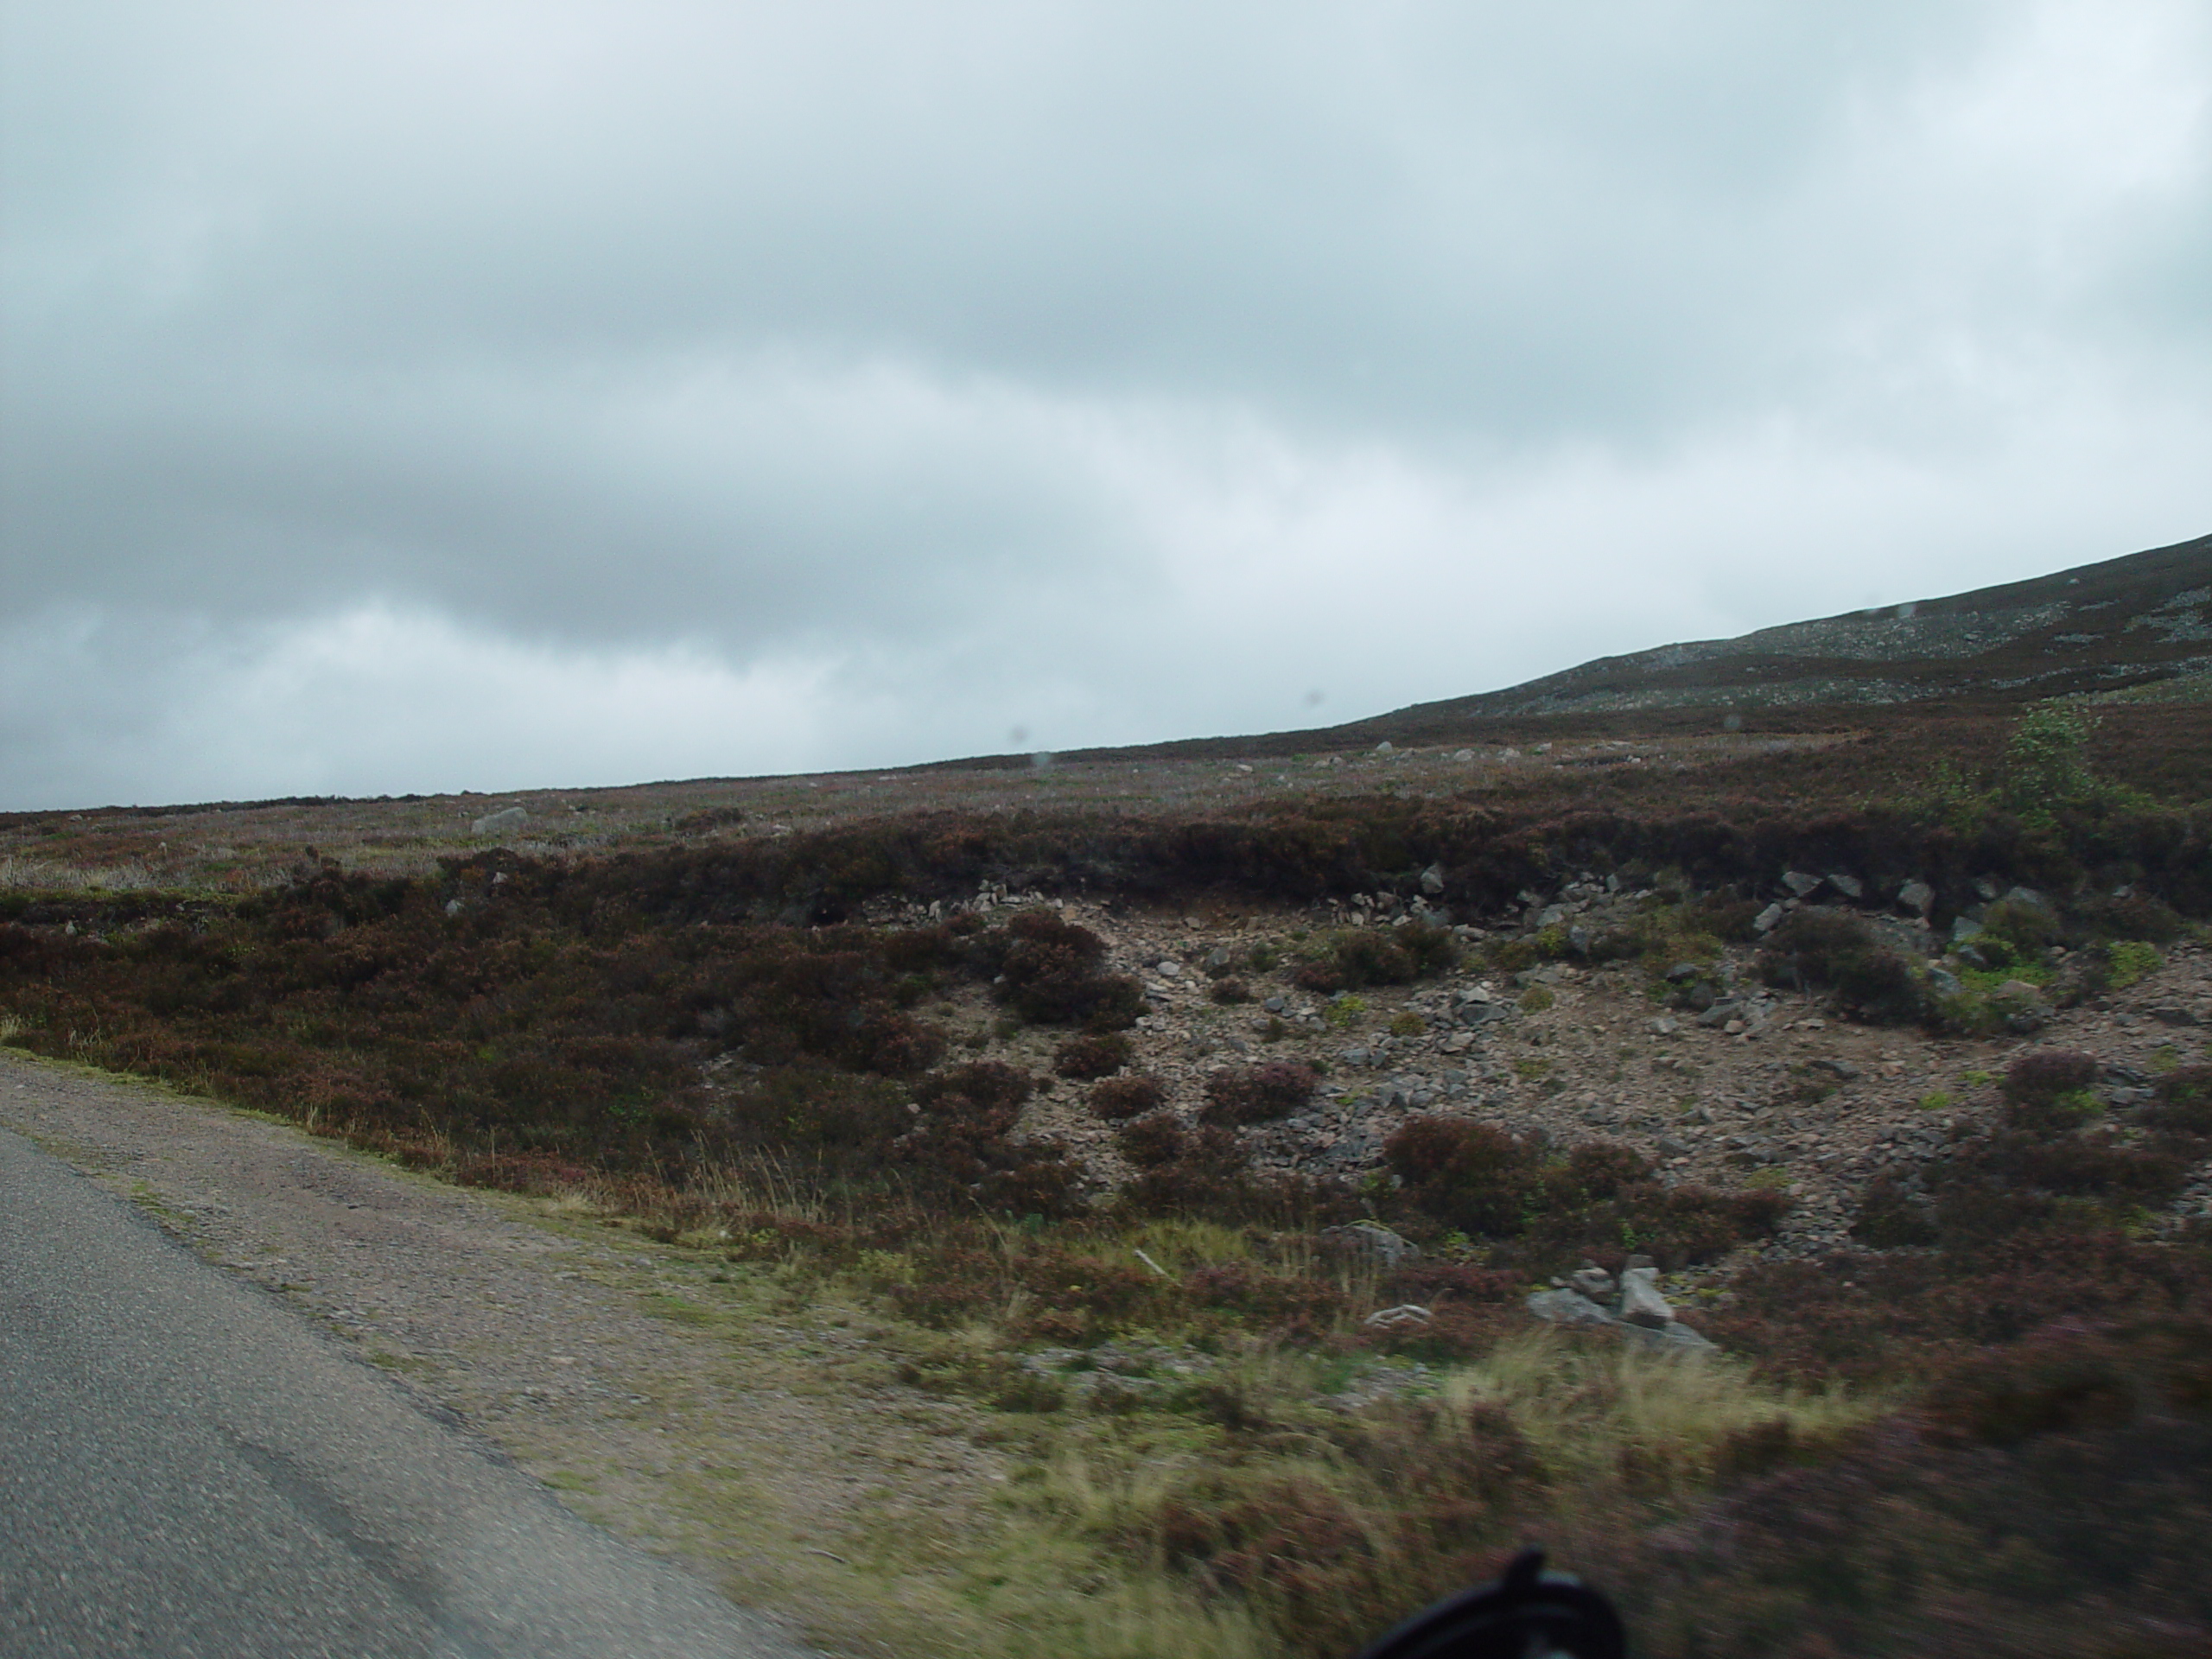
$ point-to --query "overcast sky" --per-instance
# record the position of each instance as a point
(422, 396)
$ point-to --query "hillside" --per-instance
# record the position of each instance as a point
(1195, 1142)
(2123, 622)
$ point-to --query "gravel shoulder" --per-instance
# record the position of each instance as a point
(760, 1442)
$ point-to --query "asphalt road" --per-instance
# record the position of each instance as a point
(187, 1467)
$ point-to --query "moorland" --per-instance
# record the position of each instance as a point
(1207, 1115)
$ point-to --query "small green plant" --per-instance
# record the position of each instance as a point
(1976, 1079)
(1407, 1024)
(1936, 1100)
(1537, 998)
(1344, 1011)
(2132, 961)
(1528, 1071)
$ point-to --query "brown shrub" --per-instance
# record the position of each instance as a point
(2041, 1075)
(1465, 1175)
(1254, 1094)
(1098, 1055)
(1152, 1143)
(2183, 1100)
(1121, 1097)
(1051, 974)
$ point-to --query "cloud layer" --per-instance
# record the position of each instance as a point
(411, 397)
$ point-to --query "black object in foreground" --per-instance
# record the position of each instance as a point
(1527, 1614)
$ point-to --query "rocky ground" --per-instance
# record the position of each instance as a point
(1758, 1086)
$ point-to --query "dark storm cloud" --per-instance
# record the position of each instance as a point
(928, 371)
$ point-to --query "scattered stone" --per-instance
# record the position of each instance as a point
(1169, 968)
(1594, 1282)
(1568, 1307)
(1803, 884)
(1946, 983)
(1398, 1318)
(2175, 1014)
(1963, 929)
(1849, 885)
(1372, 1239)
(1683, 970)
(2019, 990)
(497, 823)
(1385, 747)
(1464, 754)
(1640, 1302)
(1432, 880)
(1917, 895)
(1769, 918)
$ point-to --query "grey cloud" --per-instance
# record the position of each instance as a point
(965, 351)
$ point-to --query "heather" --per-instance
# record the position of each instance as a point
(807, 1052)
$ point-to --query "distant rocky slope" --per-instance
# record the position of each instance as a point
(2098, 626)
(2124, 622)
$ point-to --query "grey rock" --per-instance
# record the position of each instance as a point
(1578, 940)
(2019, 990)
(1946, 983)
(454, 907)
(1405, 1315)
(1683, 970)
(1551, 916)
(2028, 897)
(1917, 895)
(1721, 1012)
(1662, 1026)
(1372, 1241)
(1800, 883)
(1169, 968)
(1220, 960)
(1463, 754)
(1674, 1338)
(1640, 1302)
(1568, 1307)
(1964, 928)
(1595, 1283)
(2175, 1014)
(497, 823)
(1275, 1004)
(1849, 885)
(1840, 1069)
(1769, 918)
(1386, 747)
(1671, 1148)
(1988, 886)
(1432, 880)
